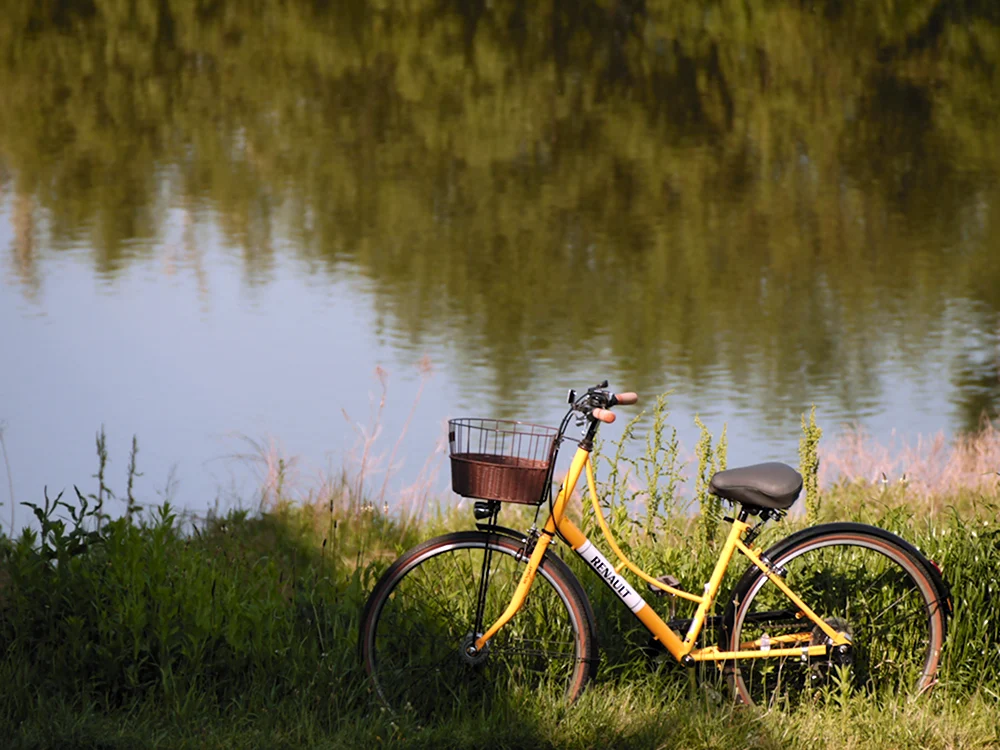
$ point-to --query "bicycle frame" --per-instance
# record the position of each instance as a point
(680, 646)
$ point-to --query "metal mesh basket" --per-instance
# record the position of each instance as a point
(495, 459)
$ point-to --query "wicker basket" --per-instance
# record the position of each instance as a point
(495, 459)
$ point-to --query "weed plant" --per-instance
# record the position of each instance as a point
(241, 630)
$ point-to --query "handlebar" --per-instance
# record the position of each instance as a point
(591, 409)
(625, 399)
(597, 402)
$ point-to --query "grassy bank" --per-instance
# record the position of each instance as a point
(240, 631)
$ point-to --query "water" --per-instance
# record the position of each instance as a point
(217, 220)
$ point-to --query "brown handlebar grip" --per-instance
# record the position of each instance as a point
(626, 399)
(603, 415)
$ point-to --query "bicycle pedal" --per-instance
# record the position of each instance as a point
(667, 580)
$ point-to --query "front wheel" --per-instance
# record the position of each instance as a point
(865, 583)
(421, 618)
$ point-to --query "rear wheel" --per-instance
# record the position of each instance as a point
(864, 583)
(421, 618)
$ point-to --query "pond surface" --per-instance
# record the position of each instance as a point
(218, 218)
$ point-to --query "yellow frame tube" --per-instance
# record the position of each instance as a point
(542, 544)
(592, 487)
(713, 654)
(646, 615)
(838, 639)
(712, 587)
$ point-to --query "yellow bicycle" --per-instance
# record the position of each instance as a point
(467, 614)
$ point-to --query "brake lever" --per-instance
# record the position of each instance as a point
(600, 388)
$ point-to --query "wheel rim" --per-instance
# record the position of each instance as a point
(414, 646)
(860, 585)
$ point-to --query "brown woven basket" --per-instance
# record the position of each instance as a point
(494, 459)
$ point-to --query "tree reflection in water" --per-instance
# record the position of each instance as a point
(779, 191)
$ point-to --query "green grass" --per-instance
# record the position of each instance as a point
(645, 714)
(241, 631)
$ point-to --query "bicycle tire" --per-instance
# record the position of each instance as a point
(860, 579)
(421, 613)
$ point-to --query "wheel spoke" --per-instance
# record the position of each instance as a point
(419, 621)
(857, 582)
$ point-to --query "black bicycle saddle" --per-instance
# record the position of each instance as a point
(771, 485)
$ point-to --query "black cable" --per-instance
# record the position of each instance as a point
(603, 402)
(562, 430)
